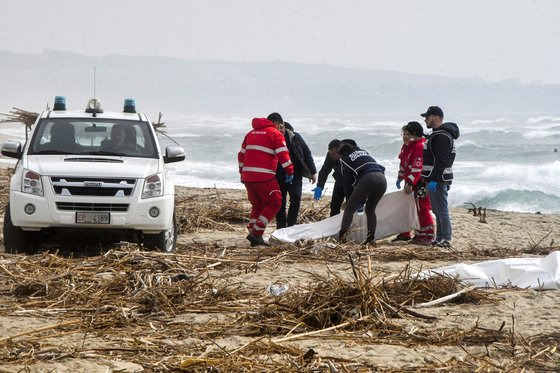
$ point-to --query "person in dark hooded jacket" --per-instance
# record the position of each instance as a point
(437, 171)
(304, 167)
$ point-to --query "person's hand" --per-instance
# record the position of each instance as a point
(408, 188)
(432, 186)
(398, 183)
(317, 193)
(289, 179)
(313, 179)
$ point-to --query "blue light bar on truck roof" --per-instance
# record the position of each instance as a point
(59, 103)
(129, 105)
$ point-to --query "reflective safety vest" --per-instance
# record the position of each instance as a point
(438, 161)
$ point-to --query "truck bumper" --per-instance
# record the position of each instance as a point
(48, 215)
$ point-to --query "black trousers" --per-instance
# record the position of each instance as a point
(337, 198)
(294, 191)
(368, 191)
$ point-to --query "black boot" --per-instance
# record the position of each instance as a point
(256, 240)
(370, 240)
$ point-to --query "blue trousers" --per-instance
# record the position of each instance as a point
(441, 211)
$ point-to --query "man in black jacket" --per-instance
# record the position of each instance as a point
(331, 163)
(304, 166)
(439, 154)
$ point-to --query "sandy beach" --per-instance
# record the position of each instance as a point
(209, 307)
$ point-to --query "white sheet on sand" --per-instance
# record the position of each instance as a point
(396, 213)
(535, 273)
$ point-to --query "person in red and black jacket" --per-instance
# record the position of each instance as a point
(403, 155)
(261, 151)
(412, 161)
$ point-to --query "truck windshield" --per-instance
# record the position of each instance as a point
(84, 136)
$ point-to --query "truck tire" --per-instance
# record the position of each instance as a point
(165, 241)
(16, 240)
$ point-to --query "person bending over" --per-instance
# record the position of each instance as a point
(364, 183)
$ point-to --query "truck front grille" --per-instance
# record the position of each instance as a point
(95, 207)
(73, 186)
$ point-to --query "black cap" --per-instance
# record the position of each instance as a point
(433, 110)
(275, 118)
(415, 129)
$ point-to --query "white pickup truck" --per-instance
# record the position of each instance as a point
(91, 171)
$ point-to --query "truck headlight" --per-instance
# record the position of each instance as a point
(32, 183)
(153, 187)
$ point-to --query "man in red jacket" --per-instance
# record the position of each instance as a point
(261, 150)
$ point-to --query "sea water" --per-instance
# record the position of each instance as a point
(505, 162)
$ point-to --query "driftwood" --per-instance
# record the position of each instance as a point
(482, 215)
(478, 211)
(159, 124)
(447, 298)
(20, 116)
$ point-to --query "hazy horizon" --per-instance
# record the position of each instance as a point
(181, 86)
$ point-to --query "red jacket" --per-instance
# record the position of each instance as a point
(261, 150)
(411, 161)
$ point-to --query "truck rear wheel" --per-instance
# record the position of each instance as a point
(165, 241)
(16, 240)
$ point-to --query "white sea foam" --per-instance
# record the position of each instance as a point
(542, 133)
(541, 119)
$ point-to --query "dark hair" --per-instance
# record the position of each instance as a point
(350, 142)
(415, 129)
(275, 118)
(334, 144)
(346, 148)
(288, 126)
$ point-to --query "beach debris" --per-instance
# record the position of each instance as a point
(478, 211)
(188, 311)
(444, 299)
(17, 115)
(278, 288)
(482, 216)
(474, 210)
(159, 124)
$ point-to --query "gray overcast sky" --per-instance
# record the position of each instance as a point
(490, 39)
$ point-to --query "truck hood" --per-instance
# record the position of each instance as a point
(88, 166)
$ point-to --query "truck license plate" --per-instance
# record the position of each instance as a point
(93, 218)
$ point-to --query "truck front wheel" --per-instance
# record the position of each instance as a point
(16, 240)
(165, 241)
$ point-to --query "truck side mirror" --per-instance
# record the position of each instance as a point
(174, 153)
(12, 149)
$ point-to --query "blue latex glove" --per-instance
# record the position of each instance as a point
(289, 179)
(317, 193)
(360, 208)
(432, 186)
(398, 183)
